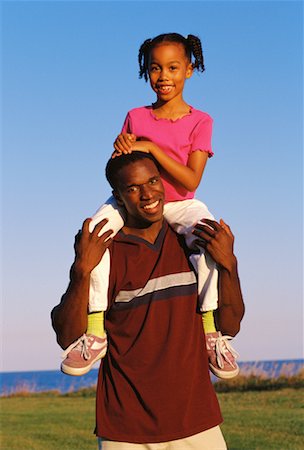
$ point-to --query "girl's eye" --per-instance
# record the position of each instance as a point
(154, 69)
(173, 67)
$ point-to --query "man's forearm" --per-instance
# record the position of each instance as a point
(231, 306)
(69, 318)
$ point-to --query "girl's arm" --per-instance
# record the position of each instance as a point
(188, 176)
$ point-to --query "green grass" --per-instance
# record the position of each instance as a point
(254, 420)
(47, 423)
(263, 420)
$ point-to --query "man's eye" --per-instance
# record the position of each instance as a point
(154, 180)
(132, 189)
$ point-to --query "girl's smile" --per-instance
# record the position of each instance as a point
(169, 68)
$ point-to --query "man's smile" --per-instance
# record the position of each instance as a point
(151, 206)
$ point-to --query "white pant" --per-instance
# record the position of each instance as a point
(211, 439)
(182, 216)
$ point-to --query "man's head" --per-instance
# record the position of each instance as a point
(137, 186)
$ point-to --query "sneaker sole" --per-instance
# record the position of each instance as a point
(224, 375)
(78, 371)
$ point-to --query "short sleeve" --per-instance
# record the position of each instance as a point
(201, 136)
(126, 128)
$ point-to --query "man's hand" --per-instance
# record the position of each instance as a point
(70, 317)
(89, 248)
(217, 239)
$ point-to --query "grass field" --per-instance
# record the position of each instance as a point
(261, 420)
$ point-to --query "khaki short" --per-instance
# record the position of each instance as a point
(211, 439)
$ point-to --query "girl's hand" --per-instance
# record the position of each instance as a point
(123, 143)
(138, 146)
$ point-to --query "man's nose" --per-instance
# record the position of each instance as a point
(145, 191)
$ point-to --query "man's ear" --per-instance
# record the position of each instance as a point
(117, 198)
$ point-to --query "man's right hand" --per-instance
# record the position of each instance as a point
(89, 248)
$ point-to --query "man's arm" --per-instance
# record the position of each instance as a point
(217, 239)
(69, 318)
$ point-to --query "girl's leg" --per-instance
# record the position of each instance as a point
(92, 346)
(99, 281)
(183, 216)
(111, 211)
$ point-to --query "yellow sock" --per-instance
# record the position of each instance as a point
(96, 324)
(208, 322)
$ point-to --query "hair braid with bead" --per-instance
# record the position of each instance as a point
(143, 56)
(197, 51)
(192, 46)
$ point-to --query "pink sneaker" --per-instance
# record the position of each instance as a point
(222, 357)
(80, 356)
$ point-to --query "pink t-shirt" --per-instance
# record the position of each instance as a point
(177, 138)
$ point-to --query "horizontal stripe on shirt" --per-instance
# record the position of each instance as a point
(162, 283)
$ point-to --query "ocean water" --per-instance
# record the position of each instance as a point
(44, 380)
(47, 380)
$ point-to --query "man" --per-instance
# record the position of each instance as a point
(154, 389)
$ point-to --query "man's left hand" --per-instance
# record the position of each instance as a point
(217, 239)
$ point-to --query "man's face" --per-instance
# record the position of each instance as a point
(141, 192)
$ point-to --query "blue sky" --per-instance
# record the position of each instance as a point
(70, 75)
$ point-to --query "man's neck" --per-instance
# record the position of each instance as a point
(148, 233)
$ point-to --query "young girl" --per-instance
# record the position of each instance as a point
(179, 137)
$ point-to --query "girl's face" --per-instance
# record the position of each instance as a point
(169, 67)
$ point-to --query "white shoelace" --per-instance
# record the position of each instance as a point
(222, 347)
(81, 345)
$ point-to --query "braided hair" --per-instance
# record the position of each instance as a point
(192, 46)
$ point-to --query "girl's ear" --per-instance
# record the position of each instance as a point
(189, 70)
(117, 198)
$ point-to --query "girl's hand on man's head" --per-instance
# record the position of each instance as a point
(115, 154)
(123, 142)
